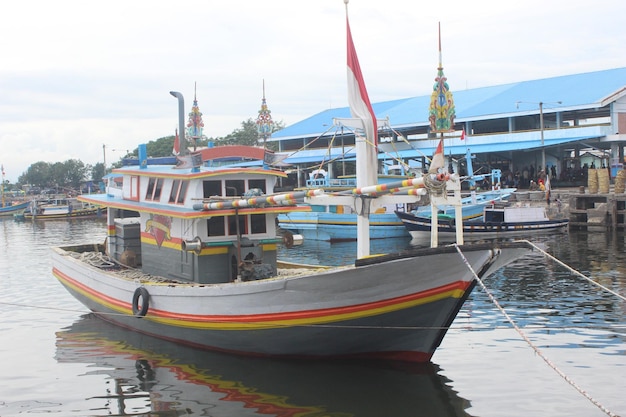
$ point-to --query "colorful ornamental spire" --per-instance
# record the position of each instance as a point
(441, 111)
(195, 123)
(264, 123)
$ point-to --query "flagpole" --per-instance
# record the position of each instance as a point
(366, 155)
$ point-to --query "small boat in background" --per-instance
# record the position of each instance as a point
(337, 222)
(472, 207)
(497, 220)
(61, 207)
(11, 208)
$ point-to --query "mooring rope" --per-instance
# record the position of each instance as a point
(527, 340)
(572, 270)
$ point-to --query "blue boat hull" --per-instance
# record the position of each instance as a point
(335, 227)
(16, 209)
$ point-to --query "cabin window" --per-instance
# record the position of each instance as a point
(134, 187)
(157, 189)
(174, 192)
(182, 192)
(494, 216)
(150, 190)
(179, 189)
(154, 189)
(257, 223)
(211, 188)
(232, 225)
(260, 184)
(235, 187)
(215, 226)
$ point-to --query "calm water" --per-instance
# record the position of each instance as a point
(57, 359)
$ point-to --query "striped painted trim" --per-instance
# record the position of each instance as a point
(271, 320)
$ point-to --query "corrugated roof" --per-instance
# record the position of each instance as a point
(485, 147)
(578, 91)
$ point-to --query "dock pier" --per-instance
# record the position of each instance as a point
(606, 211)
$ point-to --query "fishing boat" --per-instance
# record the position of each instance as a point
(198, 266)
(11, 208)
(337, 222)
(497, 220)
(61, 207)
(472, 206)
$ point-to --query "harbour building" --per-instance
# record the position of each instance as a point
(562, 124)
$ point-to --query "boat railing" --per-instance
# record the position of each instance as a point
(331, 182)
(317, 182)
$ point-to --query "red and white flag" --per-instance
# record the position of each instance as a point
(176, 149)
(438, 160)
(360, 106)
(463, 134)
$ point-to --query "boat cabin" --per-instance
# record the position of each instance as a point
(205, 225)
(504, 214)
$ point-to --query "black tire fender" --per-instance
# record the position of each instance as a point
(141, 302)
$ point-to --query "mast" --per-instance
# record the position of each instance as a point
(366, 143)
(2, 186)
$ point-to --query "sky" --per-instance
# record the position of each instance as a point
(90, 80)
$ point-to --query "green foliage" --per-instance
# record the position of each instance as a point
(70, 173)
(247, 134)
(73, 172)
(98, 171)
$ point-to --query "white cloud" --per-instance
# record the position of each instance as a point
(76, 75)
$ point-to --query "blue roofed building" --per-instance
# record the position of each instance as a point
(510, 127)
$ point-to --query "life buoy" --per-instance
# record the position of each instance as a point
(141, 301)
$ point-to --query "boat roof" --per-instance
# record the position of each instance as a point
(170, 171)
(172, 210)
(185, 211)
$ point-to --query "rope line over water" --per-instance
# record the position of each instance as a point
(527, 340)
(572, 270)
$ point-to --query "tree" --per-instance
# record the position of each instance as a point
(75, 173)
(58, 175)
(162, 147)
(38, 174)
(247, 134)
(98, 171)
(70, 173)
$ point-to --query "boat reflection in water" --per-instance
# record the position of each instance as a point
(165, 379)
